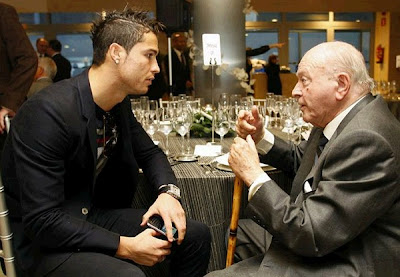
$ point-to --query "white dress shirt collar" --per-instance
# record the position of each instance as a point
(331, 127)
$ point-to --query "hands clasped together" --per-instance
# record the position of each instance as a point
(243, 157)
(146, 248)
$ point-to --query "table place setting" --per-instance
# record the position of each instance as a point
(221, 162)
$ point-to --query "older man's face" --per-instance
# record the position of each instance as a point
(315, 91)
(41, 46)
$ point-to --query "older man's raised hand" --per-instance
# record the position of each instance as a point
(250, 123)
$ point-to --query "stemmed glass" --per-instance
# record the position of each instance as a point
(165, 125)
(136, 108)
(181, 122)
(222, 124)
(150, 123)
(193, 107)
(223, 102)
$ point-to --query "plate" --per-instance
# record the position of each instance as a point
(222, 164)
(189, 158)
(223, 167)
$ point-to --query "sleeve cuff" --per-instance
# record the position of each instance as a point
(263, 178)
(266, 143)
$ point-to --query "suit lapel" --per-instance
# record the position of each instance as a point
(360, 105)
(306, 164)
(88, 113)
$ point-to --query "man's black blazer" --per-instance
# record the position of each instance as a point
(48, 171)
(63, 68)
(180, 72)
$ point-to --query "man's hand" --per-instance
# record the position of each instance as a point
(3, 112)
(244, 161)
(250, 123)
(144, 249)
(171, 211)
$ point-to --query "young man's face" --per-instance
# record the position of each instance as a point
(140, 65)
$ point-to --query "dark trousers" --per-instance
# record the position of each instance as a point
(188, 259)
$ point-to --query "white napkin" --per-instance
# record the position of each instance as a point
(207, 150)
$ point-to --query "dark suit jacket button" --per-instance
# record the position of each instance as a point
(85, 211)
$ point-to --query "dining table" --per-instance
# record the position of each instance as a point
(206, 191)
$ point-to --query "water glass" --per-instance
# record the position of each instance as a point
(222, 124)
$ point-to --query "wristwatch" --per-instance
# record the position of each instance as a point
(172, 190)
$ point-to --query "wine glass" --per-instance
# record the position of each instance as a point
(150, 124)
(181, 122)
(222, 124)
(223, 101)
(270, 105)
(165, 125)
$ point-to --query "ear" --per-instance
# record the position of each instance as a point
(116, 52)
(344, 84)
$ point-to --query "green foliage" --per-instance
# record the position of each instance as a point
(202, 127)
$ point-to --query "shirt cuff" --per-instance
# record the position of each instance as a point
(266, 143)
(261, 180)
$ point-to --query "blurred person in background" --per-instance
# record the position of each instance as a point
(258, 51)
(63, 64)
(44, 75)
(181, 79)
(272, 70)
(41, 46)
(18, 63)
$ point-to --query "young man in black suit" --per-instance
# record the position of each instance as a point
(71, 165)
(63, 64)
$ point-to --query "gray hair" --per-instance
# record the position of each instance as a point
(344, 58)
(49, 67)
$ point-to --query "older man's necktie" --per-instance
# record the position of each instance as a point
(307, 162)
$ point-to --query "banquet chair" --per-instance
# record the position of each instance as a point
(259, 102)
(6, 251)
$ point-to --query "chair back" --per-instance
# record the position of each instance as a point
(6, 253)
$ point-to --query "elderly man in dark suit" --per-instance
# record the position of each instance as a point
(341, 217)
(63, 64)
(71, 165)
(18, 63)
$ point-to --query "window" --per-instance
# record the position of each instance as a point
(267, 17)
(300, 41)
(356, 17)
(77, 48)
(359, 39)
(307, 16)
(257, 39)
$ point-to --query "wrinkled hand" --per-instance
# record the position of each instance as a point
(145, 248)
(250, 123)
(3, 112)
(244, 161)
(171, 211)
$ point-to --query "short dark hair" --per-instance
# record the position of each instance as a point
(55, 45)
(125, 28)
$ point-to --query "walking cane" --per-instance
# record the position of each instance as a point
(237, 195)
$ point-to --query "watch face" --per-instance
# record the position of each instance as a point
(176, 191)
